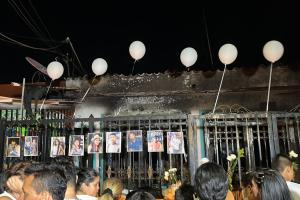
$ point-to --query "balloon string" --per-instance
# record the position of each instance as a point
(133, 67)
(46, 95)
(219, 90)
(269, 87)
(88, 89)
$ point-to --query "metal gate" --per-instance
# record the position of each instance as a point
(261, 135)
(136, 169)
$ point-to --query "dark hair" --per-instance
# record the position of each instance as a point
(69, 168)
(140, 195)
(18, 169)
(280, 162)
(272, 185)
(184, 192)
(48, 178)
(154, 191)
(211, 182)
(85, 175)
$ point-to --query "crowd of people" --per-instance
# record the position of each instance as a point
(59, 179)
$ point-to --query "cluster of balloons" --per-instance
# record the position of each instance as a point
(272, 51)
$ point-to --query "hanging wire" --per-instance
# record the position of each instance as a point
(269, 87)
(207, 37)
(46, 95)
(133, 66)
(28, 46)
(88, 89)
(219, 90)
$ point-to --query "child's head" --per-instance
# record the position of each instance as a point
(284, 165)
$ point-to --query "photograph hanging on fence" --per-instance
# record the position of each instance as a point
(13, 147)
(58, 146)
(31, 146)
(134, 141)
(95, 143)
(155, 141)
(175, 143)
(76, 145)
(113, 142)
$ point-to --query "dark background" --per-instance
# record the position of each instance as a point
(98, 29)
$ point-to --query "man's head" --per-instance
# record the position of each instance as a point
(185, 191)
(69, 168)
(13, 143)
(132, 136)
(284, 165)
(113, 138)
(44, 181)
(211, 182)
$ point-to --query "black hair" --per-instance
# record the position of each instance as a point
(69, 168)
(48, 178)
(87, 176)
(211, 182)
(2, 181)
(154, 191)
(281, 161)
(140, 195)
(185, 192)
(272, 185)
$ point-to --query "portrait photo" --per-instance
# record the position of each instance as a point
(113, 142)
(31, 146)
(58, 146)
(155, 141)
(76, 145)
(95, 143)
(175, 143)
(134, 141)
(13, 147)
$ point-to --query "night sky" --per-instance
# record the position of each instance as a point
(106, 31)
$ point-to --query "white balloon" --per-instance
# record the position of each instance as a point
(228, 54)
(188, 56)
(137, 50)
(99, 66)
(55, 70)
(273, 50)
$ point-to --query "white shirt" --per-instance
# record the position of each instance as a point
(6, 194)
(294, 189)
(86, 197)
(113, 148)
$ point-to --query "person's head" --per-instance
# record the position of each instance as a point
(34, 140)
(13, 142)
(69, 168)
(96, 140)
(132, 136)
(88, 182)
(56, 142)
(113, 138)
(211, 182)
(28, 141)
(44, 181)
(115, 185)
(184, 192)
(107, 194)
(76, 142)
(15, 176)
(140, 195)
(270, 185)
(284, 165)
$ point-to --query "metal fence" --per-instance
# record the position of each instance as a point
(261, 135)
(136, 169)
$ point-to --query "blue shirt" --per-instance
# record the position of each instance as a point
(135, 145)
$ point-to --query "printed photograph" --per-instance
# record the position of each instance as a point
(134, 141)
(58, 145)
(31, 146)
(155, 141)
(113, 142)
(95, 143)
(13, 147)
(175, 143)
(76, 145)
